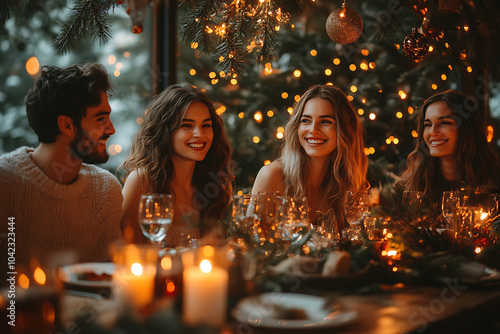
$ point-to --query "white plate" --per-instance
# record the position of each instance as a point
(72, 274)
(266, 310)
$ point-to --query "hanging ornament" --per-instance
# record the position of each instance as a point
(137, 9)
(344, 25)
(415, 45)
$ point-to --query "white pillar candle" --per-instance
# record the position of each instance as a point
(205, 295)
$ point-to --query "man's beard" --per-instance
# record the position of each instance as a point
(86, 149)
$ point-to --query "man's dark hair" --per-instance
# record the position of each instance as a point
(67, 92)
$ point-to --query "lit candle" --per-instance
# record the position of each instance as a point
(134, 275)
(205, 294)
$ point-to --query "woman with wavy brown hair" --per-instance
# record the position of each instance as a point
(181, 149)
(452, 151)
(322, 156)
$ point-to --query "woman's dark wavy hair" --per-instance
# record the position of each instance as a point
(69, 92)
(152, 150)
(476, 159)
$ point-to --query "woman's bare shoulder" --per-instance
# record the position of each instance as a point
(269, 179)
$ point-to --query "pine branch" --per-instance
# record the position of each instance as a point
(85, 17)
(8, 6)
(198, 16)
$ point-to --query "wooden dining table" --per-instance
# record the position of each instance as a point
(448, 308)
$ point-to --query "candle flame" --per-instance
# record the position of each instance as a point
(136, 269)
(205, 266)
(484, 215)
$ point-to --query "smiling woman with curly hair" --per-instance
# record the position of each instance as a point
(181, 149)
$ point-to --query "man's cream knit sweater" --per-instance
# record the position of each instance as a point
(83, 216)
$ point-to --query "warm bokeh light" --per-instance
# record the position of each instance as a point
(414, 134)
(32, 66)
(434, 86)
(397, 46)
(170, 287)
(126, 54)
(399, 114)
(240, 192)
(166, 263)
(270, 113)
(410, 110)
(336, 61)
(284, 95)
(23, 281)
(111, 59)
(139, 120)
(234, 82)
(314, 53)
(350, 98)
(39, 276)
(116, 73)
(402, 95)
(363, 66)
(297, 73)
(289, 110)
(469, 69)
(372, 116)
(443, 77)
(365, 52)
(214, 81)
(119, 66)
(212, 75)
(328, 71)
(489, 133)
(208, 251)
(372, 65)
(192, 71)
(352, 67)
(279, 135)
(296, 98)
(256, 139)
(219, 111)
(267, 162)
(241, 115)
(360, 112)
(258, 116)
(194, 45)
(450, 67)
(354, 89)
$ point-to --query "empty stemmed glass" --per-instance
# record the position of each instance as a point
(356, 208)
(156, 212)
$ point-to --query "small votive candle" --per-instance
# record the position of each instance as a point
(205, 294)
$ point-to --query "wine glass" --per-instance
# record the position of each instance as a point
(155, 216)
(356, 208)
(293, 216)
(449, 205)
(413, 203)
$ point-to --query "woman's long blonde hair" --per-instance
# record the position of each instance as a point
(347, 165)
(152, 150)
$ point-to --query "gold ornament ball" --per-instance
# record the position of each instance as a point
(415, 45)
(344, 25)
